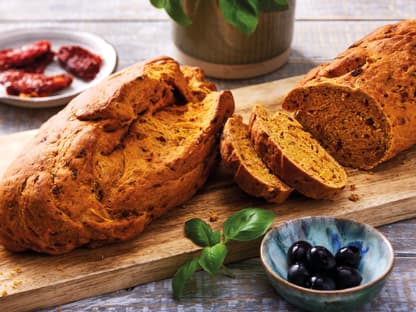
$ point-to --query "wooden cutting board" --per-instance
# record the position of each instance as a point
(31, 281)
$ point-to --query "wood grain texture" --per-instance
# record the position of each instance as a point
(98, 10)
(248, 291)
(355, 10)
(387, 194)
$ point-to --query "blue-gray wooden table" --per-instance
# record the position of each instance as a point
(323, 28)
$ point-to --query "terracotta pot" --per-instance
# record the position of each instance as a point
(223, 51)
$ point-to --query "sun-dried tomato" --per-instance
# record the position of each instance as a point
(79, 61)
(33, 85)
(18, 57)
(39, 64)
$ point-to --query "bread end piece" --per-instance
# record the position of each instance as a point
(361, 106)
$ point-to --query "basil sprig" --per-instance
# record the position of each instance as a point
(242, 14)
(244, 225)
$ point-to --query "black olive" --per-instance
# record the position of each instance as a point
(322, 282)
(320, 259)
(298, 274)
(348, 256)
(346, 277)
(297, 252)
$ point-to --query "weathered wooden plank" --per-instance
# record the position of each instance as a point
(403, 238)
(75, 10)
(97, 10)
(355, 10)
(248, 291)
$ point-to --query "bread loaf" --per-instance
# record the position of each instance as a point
(250, 173)
(294, 155)
(362, 106)
(116, 157)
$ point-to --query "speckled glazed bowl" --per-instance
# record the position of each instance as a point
(376, 263)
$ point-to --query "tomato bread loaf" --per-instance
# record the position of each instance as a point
(362, 106)
(116, 157)
(294, 155)
(250, 172)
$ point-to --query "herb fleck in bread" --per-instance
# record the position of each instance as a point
(294, 155)
(118, 156)
(362, 106)
(250, 173)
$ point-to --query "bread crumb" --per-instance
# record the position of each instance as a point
(213, 216)
(4, 293)
(15, 272)
(354, 197)
(16, 283)
(353, 187)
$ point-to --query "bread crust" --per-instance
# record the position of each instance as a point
(116, 157)
(287, 168)
(381, 69)
(253, 181)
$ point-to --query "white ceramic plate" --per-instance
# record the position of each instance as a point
(58, 37)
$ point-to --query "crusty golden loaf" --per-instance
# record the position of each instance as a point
(119, 155)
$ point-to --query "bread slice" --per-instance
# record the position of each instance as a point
(294, 155)
(362, 105)
(250, 173)
(118, 156)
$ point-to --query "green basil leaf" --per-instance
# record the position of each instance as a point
(247, 224)
(175, 11)
(216, 238)
(273, 5)
(201, 233)
(182, 275)
(212, 258)
(160, 4)
(242, 14)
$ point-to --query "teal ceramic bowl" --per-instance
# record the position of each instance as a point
(375, 266)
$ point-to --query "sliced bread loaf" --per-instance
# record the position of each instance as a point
(294, 155)
(362, 106)
(250, 172)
